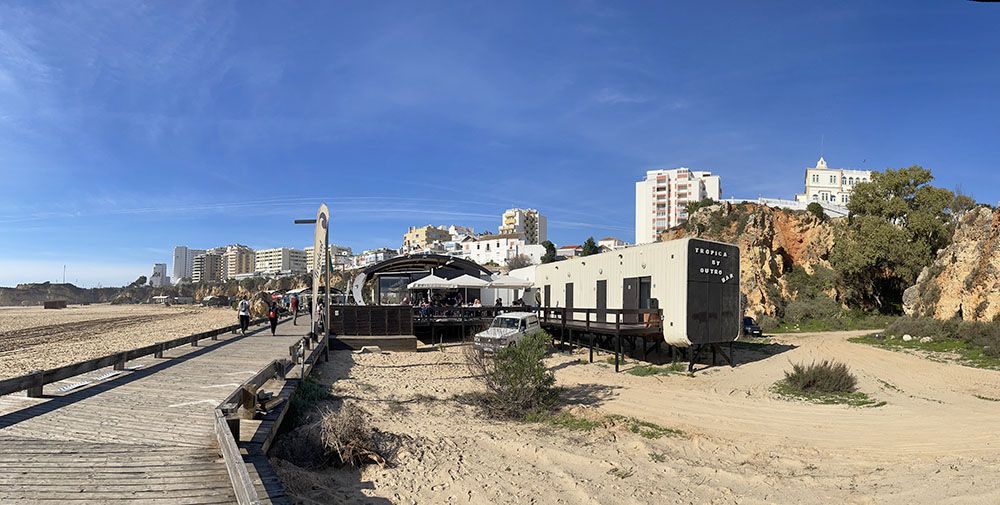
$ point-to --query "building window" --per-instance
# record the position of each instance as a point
(843, 180)
(816, 178)
(833, 179)
(815, 198)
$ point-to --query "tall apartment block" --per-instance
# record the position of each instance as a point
(184, 262)
(661, 199)
(281, 260)
(237, 260)
(529, 223)
(207, 268)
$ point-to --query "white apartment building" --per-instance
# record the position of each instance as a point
(237, 260)
(373, 256)
(341, 257)
(280, 260)
(207, 268)
(184, 262)
(500, 248)
(831, 185)
(159, 278)
(529, 223)
(610, 244)
(661, 199)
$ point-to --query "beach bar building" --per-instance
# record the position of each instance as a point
(685, 292)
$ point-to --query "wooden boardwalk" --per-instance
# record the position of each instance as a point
(145, 435)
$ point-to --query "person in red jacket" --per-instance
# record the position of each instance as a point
(294, 307)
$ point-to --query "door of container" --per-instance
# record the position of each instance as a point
(569, 301)
(602, 301)
(630, 298)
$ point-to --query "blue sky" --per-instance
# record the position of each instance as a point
(129, 127)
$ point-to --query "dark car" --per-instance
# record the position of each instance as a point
(750, 328)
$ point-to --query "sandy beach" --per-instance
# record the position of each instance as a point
(33, 338)
(935, 440)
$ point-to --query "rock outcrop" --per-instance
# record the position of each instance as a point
(772, 242)
(964, 280)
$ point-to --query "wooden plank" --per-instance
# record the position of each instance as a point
(243, 487)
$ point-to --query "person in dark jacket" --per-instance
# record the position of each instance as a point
(272, 316)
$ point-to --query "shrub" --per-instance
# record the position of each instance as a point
(985, 335)
(825, 377)
(816, 209)
(768, 323)
(338, 438)
(820, 307)
(306, 398)
(517, 382)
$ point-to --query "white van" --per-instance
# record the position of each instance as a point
(505, 330)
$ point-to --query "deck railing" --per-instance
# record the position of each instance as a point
(34, 381)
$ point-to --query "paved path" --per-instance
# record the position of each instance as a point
(146, 435)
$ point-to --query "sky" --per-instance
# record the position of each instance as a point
(127, 128)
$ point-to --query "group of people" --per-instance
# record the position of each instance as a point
(273, 311)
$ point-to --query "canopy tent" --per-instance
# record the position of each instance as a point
(431, 282)
(508, 282)
(468, 281)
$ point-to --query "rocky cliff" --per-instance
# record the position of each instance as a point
(964, 280)
(773, 242)
(36, 293)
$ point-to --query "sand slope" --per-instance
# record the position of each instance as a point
(935, 441)
(33, 338)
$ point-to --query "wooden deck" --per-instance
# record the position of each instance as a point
(145, 435)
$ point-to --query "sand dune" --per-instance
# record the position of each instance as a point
(934, 442)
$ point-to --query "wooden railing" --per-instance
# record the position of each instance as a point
(34, 381)
(244, 402)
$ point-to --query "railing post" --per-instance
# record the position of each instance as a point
(618, 338)
(38, 380)
(120, 362)
(159, 351)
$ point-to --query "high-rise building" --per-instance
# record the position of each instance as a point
(159, 278)
(237, 260)
(831, 185)
(419, 238)
(184, 262)
(661, 199)
(529, 223)
(207, 268)
(280, 260)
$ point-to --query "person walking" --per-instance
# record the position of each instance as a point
(272, 316)
(294, 307)
(244, 312)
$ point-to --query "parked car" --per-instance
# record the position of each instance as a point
(506, 329)
(751, 328)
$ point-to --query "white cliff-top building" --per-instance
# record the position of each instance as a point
(831, 185)
(661, 199)
(159, 277)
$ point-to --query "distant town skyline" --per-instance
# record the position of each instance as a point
(220, 122)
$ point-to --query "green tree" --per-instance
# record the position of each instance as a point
(519, 261)
(693, 207)
(897, 222)
(816, 209)
(590, 247)
(550, 252)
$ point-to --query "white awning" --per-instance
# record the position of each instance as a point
(468, 281)
(508, 282)
(431, 282)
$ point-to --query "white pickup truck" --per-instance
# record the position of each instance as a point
(505, 330)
